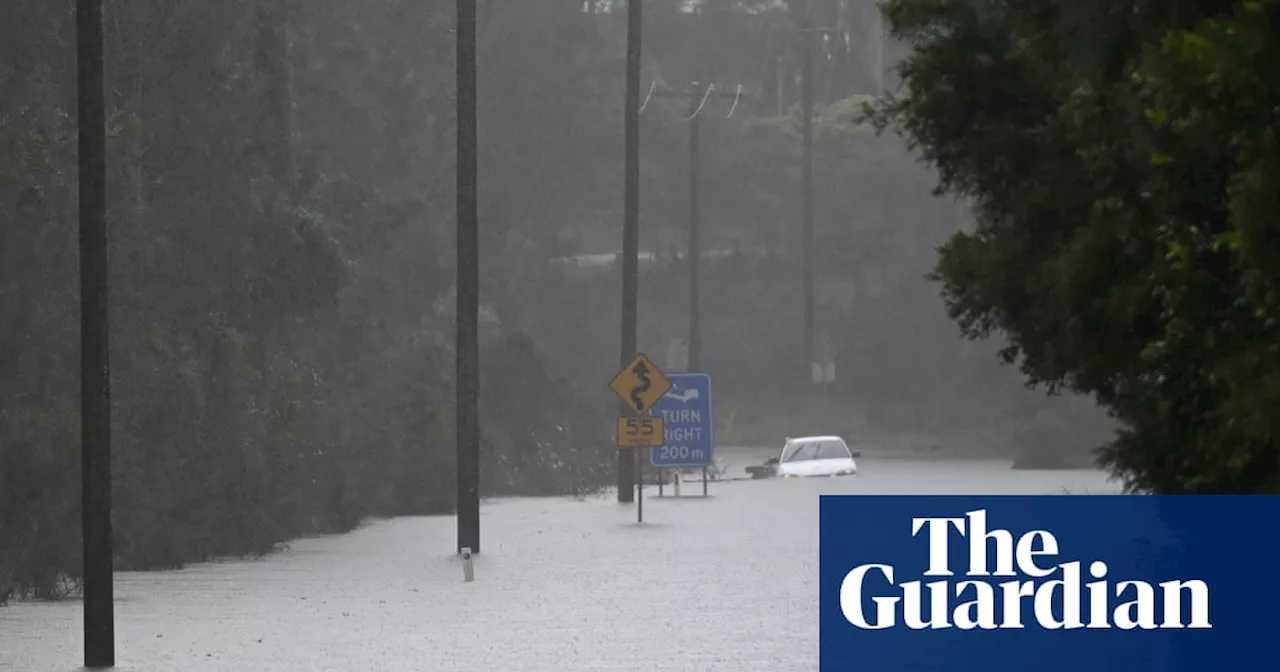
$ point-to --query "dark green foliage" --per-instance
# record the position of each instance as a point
(281, 226)
(1116, 154)
(282, 340)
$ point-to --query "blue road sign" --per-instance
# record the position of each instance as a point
(688, 432)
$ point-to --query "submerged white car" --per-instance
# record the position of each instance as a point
(816, 456)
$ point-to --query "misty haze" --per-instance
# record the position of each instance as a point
(281, 219)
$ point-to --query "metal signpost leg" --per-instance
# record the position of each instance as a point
(639, 486)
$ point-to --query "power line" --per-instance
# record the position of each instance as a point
(652, 86)
(703, 103)
(737, 98)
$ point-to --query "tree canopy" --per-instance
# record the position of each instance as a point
(281, 219)
(1122, 161)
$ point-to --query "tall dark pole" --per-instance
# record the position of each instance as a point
(695, 241)
(468, 292)
(806, 41)
(95, 365)
(628, 465)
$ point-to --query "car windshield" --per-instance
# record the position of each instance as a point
(814, 450)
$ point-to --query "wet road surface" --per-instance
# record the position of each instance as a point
(728, 582)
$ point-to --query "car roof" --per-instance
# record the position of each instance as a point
(814, 439)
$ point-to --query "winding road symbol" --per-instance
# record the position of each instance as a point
(639, 384)
(642, 373)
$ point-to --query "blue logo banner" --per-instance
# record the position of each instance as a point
(1058, 583)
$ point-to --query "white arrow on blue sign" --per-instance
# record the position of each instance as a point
(688, 427)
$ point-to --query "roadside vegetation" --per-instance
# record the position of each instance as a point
(281, 226)
(1122, 161)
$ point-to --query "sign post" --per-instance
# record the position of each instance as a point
(640, 385)
(688, 425)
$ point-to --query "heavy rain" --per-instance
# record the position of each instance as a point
(468, 335)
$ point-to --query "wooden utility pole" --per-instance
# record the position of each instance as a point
(698, 96)
(695, 238)
(806, 40)
(629, 466)
(467, 350)
(95, 365)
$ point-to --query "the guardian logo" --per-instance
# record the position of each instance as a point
(1053, 594)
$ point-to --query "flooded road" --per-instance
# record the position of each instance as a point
(727, 582)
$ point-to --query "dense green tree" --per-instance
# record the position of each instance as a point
(281, 214)
(281, 182)
(1115, 155)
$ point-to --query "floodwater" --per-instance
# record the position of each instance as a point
(727, 582)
